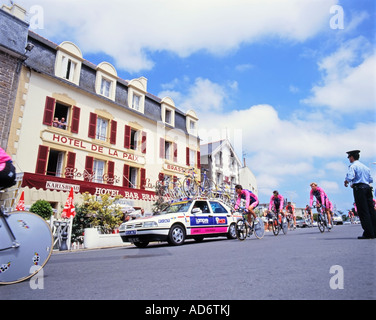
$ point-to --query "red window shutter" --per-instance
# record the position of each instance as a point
(110, 172)
(187, 156)
(113, 132)
(161, 148)
(143, 142)
(75, 119)
(49, 110)
(175, 152)
(143, 179)
(127, 137)
(88, 168)
(198, 159)
(71, 162)
(42, 160)
(92, 125)
(126, 176)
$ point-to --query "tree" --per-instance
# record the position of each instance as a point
(42, 208)
(103, 213)
(80, 222)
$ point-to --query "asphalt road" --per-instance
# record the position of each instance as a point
(304, 264)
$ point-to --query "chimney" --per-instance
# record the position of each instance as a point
(16, 11)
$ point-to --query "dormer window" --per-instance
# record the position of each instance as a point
(136, 94)
(105, 87)
(136, 102)
(191, 122)
(168, 111)
(68, 62)
(105, 83)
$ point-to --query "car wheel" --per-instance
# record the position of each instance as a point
(176, 237)
(231, 231)
(141, 244)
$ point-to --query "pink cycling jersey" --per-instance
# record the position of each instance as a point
(250, 198)
(273, 198)
(318, 193)
(4, 157)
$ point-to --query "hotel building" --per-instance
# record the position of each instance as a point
(77, 124)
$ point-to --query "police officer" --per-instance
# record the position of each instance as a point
(359, 176)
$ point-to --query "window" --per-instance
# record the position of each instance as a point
(168, 150)
(131, 179)
(60, 115)
(192, 158)
(137, 89)
(136, 102)
(192, 126)
(134, 139)
(106, 87)
(55, 163)
(98, 170)
(105, 82)
(133, 173)
(218, 159)
(217, 207)
(102, 128)
(68, 62)
(168, 116)
(101, 132)
(68, 68)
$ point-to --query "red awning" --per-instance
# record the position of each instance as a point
(39, 181)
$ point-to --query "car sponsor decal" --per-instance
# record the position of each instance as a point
(208, 221)
(208, 230)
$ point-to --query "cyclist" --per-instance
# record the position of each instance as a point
(308, 213)
(7, 170)
(276, 200)
(322, 199)
(251, 202)
(290, 212)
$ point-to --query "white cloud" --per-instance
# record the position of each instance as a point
(128, 30)
(349, 79)
(280, 150)
(203, 95)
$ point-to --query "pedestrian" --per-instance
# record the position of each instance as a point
(359, 176)
(63, 124)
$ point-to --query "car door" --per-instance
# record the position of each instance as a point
(201, 218)
(221, 217)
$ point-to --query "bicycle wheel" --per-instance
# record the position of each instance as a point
(35, 241)
(320, 223)
(190, 187)
(259, 229)
(241, 230)
(275, 226)
(285, 226)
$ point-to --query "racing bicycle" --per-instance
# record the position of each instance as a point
(244, 229)
(322, 219)
(26, 245)
(279, 222)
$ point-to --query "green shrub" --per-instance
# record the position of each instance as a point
(42, 208)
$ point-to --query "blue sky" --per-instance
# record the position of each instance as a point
(290, 82)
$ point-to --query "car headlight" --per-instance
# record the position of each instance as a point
(122, 227)
(150, 224)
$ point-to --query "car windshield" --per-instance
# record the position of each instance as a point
(177, 207)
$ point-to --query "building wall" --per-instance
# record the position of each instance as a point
(44, 86)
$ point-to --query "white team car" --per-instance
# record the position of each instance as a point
(195, 219)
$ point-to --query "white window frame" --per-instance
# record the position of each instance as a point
(98, 170)
(102, 129)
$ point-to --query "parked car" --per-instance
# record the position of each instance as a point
(337, 219)
(195, 219)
